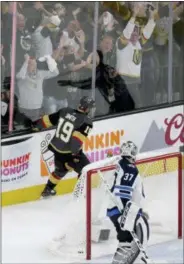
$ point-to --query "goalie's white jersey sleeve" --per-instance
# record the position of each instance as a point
(127, 186)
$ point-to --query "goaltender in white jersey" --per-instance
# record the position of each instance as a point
(125, 209)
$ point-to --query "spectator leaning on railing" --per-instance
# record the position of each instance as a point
(129, 54)
(113, 88)
(30, 85)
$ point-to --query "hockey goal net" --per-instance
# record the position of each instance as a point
(86, 226)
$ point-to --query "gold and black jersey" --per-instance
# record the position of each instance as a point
(72, 129)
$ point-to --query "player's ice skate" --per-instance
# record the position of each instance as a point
(47, 192)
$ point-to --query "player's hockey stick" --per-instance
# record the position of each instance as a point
(120, 207)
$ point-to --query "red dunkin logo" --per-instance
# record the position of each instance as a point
(175, 129)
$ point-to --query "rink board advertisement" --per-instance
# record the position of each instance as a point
(19, 164)
(27, 163)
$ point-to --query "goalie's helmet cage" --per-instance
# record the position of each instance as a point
(129, 149)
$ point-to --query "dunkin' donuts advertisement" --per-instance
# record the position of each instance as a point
(19, 164)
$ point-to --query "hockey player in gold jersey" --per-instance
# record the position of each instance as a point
(73, 126)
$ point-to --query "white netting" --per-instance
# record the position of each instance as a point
(160, 178)
(72, 241)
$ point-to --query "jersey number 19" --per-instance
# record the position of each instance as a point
(64, 130)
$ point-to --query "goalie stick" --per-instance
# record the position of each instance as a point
(145, 258)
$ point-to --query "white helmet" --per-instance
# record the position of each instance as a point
(129, 149)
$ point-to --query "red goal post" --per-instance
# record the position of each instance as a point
(159, 164)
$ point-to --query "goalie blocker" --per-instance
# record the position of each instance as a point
(125, 209)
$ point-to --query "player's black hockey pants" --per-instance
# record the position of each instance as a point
(66, 162)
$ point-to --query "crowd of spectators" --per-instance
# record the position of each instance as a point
(54, 56)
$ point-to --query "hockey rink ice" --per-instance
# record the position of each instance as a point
(27, 229)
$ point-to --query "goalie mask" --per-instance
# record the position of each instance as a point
(129, 150)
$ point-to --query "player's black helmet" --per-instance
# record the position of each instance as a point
(86, 104)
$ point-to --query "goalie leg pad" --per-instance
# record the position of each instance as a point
(126, 253)
(129, 216)
(129, 253)
(142, 230)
